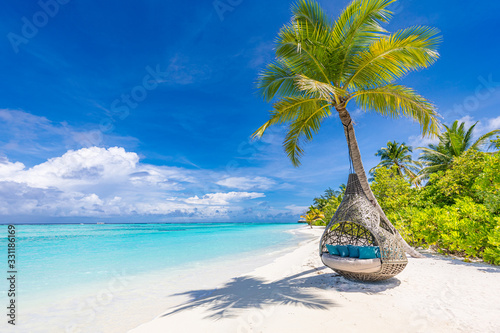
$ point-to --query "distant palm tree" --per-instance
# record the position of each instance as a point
(323, 200)
(453, 142)
(322, 65)
(313, 215)
(398, 155)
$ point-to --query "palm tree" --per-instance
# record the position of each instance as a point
(322, 65)
(453, 142)
(313, 215)
(398, 155)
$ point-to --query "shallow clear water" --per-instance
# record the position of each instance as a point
(54, 258)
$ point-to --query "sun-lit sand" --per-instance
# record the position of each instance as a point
(297, 293)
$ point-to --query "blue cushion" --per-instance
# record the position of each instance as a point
(343, 250)
(353, 251)
(332, 249)
(369, 252)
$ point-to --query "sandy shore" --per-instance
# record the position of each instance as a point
(122, 300)
(296, 293)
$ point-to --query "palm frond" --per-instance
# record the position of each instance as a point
(315, 88)
(495, 143)
(395, 101)
(288, 109)
(468, 135)
(306, 45)
(358, 26)
(433, 153)
(310, 12)
(302, 129)
(278, 79)
(392, 57)
(481, 142)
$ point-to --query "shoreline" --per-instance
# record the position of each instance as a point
(123, 301)
(297, 293)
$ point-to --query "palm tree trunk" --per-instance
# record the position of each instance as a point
(360, 171)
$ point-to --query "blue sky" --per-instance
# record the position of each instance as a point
(142, 111)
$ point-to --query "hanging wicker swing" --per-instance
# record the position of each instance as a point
(357, 227)
(357, 223)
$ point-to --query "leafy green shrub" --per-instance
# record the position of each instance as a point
(462, 229)
(445, 188)
(417, 226)
(466, 231)
(392, 191)
(487, 184)
(492, 252)
(456, 213)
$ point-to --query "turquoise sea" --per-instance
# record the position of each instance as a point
(53, 258)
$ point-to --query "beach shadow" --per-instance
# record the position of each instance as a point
(481, 266)
(332, 280)
(490, 270)
(247, 292)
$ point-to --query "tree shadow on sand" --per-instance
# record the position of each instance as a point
(481, 266)
(247, 292)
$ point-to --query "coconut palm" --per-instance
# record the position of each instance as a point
(322, 65)
(312, 216)
(398, 155)
(453, 142)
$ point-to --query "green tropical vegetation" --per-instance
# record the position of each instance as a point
(456, 212)
(399, 155)
(322, 65)
(313, 215)
(326, 204)
(453, 142)
(495, 143)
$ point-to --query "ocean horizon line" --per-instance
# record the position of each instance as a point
(130, 223)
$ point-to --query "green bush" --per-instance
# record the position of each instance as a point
(466, 232)
(462, 229)
(392, 191)
(444, 188)
(492, 252)
(457, 212)
(487, 184)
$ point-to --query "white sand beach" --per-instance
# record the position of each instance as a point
(297, 293)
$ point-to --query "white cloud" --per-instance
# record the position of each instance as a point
(85, 166)
(247, 183)
(23, 119)
(223, 199)
(416, 141)
(483, 126)
(9, 169)
(468, 120)
(297, 210)
(492, 124)
(103, 182)
(100, 182)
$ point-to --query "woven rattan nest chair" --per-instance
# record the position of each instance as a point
(357, 222)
